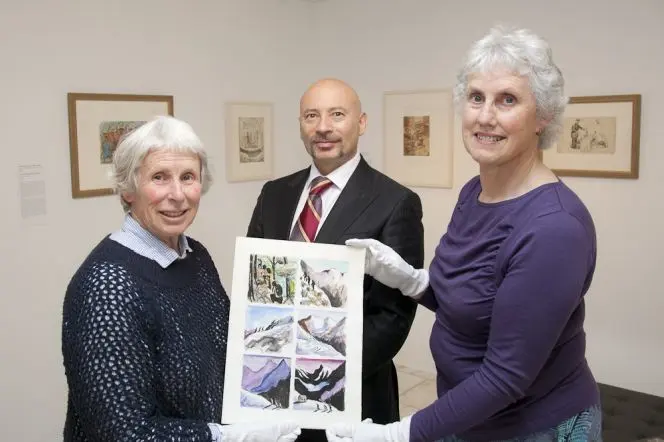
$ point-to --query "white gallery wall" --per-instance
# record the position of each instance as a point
(205, 53)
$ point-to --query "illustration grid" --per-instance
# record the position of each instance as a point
(294, 353)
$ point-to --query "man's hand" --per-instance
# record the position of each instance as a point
(387, 267)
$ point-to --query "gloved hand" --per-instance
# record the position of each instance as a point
(386, 266)
(370, 432)
(257, 432)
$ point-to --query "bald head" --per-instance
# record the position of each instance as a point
(331, 122)
(333, 86)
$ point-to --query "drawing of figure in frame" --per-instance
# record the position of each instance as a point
(589, 135)
(251, 139)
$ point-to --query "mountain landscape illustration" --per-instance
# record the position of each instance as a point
(272, 337)
(321, 389)
(325, 288)
(271, 382)
(325, 330)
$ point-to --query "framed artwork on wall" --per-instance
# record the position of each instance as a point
(418, 137)
(294, 347)
(600, 138)
(249, 138)
(96, 124)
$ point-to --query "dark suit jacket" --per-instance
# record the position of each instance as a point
(370, 206)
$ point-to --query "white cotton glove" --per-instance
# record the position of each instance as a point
(369, 432)
(255, 432)
(386, 266)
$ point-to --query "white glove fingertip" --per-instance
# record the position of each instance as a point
(331, 437)
(355, 242)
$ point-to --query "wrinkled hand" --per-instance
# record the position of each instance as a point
(369, 432)
(388, 267)
(255, 432)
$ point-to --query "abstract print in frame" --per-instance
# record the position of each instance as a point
(418, 137)
(249, 135)
(295, 334)
(96, 124)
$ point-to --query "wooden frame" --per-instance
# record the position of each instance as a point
(96, 121)
(419, 137)
(600, 138)
(249, 141)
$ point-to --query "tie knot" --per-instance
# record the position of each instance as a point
(319, 184)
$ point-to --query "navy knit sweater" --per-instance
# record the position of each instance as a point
(144, 347)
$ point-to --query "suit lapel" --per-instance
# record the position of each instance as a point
(286, 204)
(353, 200)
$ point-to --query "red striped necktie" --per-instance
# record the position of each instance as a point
(307, 224)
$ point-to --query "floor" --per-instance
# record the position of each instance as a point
(417, 389)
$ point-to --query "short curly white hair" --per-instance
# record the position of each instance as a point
(160, 133)
(525, 53)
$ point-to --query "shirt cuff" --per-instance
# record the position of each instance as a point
(215, 429)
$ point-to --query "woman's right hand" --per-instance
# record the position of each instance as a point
(259, 432)
(389, 268)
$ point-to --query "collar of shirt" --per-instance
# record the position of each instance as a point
(338, 176)
(133, 236)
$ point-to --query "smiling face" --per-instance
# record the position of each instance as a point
(499, 122)
(167, 196)
(331, 122)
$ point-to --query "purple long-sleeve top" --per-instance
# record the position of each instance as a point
(507, 284)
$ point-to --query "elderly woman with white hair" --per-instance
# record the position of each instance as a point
(145, 316)
(508, 279)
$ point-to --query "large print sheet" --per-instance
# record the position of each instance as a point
(295, 333)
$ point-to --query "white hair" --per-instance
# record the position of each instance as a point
(524, 53)
(160, 133)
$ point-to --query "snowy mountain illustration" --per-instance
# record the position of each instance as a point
(324, 329)
(271, 383)
(248, 399)
(325, 288)
(307, 344)
(272, 338)
(321, 389)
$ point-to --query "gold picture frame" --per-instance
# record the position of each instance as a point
(96, 122)
(600, 138)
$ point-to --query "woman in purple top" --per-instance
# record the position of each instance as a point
(509, 276)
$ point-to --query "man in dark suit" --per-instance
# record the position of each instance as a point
(341, 197)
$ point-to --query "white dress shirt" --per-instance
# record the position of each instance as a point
(339, 178)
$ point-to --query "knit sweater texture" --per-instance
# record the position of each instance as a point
(144, 347)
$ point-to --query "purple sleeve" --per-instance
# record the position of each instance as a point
(546, 268)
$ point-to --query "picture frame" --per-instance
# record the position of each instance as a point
(96, 123)
(419, 137)
(294, 346)
(600, 138)
(249, 141)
